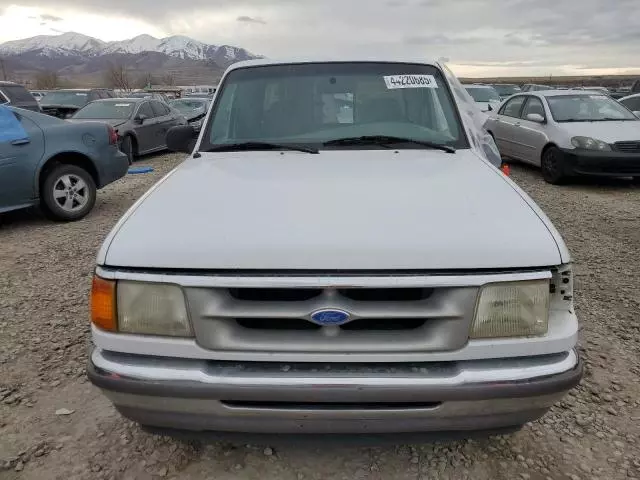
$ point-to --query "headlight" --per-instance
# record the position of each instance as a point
(513, 309)
(152, 309)
(589, 143)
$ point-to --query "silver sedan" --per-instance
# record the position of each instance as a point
(567, 133)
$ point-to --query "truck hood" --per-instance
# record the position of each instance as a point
(339, 210)
(609, 132)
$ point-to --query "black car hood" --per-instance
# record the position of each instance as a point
(114, 122)
(60, 111)
(194, 116)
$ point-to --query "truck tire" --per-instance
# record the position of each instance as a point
(68, 193)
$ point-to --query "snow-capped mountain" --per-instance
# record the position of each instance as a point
(70, 43)
(177, 46)
(76, 44)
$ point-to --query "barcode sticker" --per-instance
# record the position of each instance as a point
(410, 81)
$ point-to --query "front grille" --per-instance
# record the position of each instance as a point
(362, 324)
(279, 320)
(627, 147)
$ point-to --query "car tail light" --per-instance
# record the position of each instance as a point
(103, 304)
(506, 169)
(113, 135)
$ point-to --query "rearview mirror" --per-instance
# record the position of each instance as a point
(535, 117)
(637, 113)
(182, 138)
(140, 119)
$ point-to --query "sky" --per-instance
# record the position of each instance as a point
(478, 37)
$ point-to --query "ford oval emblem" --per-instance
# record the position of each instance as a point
(330, 316)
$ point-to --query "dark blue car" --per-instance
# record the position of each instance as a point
(54, 163)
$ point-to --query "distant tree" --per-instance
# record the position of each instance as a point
(145, 80)
(47, 80)
(168, 79)
(3, 70)
(118, 76)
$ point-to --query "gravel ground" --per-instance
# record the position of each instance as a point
(55, 425)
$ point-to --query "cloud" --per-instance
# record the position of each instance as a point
(246, 19)
(539, 37)
(44, 18)
(50, 18)
(439, 39)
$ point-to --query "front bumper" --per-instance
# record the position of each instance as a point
(339, 398)
(616, 164)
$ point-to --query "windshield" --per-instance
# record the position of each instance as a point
(587, 108)
(76, 99)
(106, 110)
(311, 104)
(505, 90)
(188, 105)
(483, 94)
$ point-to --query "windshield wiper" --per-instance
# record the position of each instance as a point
(609, 119)
(238, 147)
(386, 140)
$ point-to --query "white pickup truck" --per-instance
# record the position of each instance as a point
(337, 255)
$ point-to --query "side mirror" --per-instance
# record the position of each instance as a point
(535, 117)
(140, 119)
(182, 138)
(637, 113)
(490, 109)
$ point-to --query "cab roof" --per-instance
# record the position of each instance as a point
(288, 61)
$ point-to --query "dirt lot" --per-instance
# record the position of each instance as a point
(55, 425)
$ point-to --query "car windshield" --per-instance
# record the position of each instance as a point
(76, 99)
(188, 105)
(505, 90)
(483, 94)
(315, 103)
(587, 108)
(117, 109)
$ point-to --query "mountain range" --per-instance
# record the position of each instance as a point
(81, 59)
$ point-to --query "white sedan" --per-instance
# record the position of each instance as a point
(485, 96)
(632, 102)
(568, 132)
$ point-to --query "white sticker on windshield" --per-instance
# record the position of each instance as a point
(410, 81)
(123, 104)
(81, 94)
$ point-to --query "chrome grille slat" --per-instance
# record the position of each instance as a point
(439, 304)
(442, 320)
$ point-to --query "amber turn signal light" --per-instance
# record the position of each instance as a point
(103, 304)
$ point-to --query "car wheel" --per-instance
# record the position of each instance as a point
(68, 193)
(127, 148)
(553, 166)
